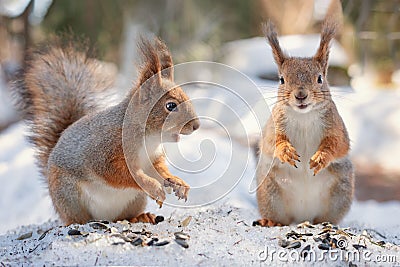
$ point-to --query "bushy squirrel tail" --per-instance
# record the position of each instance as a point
(59, 85)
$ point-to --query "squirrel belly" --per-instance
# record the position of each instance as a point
(289, 194)
(303, 193)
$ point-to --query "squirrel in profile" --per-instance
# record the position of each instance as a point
(80, 149)
(304, 173)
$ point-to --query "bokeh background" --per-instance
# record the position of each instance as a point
(364, 68)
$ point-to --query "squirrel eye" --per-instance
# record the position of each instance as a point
(171, 106)
(281, 80)
(320, 78)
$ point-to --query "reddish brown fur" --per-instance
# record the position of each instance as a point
(170, 179)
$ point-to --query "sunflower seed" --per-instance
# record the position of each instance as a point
(118, 243)
(305, 224)
(324, 246)
(74, 232)
(283, 243)
(25, 236)
(161, 243)
(295, 244)
(293, 234)
(98, 225)
(137, 241)
(182, 243)
(317, 239)
(123, 237)
(186, 221)
(181, 235)
(152, 241)
(305, 250)
(358, 247)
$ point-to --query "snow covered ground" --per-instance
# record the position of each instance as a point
(220, 232)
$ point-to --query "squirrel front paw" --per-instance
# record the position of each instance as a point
(179, 186)
(319, 161)
(157, 193)
(285, 152)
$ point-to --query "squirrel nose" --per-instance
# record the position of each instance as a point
(196, 124)
(301, 95)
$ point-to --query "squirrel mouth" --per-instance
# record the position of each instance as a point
(302, 106)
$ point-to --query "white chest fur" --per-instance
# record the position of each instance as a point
(108, 203)
(306, 194)
(105, 202)
(151, 149)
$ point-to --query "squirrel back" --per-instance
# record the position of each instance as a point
(59, 85)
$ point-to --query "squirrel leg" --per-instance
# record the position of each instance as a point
(331, 147)
(147, 218)
(266, 223)
(271, 204)
(180, 187)
(341, 192)
(151, 186)
(284, 150)
(66, 197)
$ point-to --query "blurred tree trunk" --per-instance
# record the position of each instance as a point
(26, 30)
(290, 16)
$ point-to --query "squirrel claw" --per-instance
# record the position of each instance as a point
(319, 161)
(287, 153)
(159, 203)
(179, 187)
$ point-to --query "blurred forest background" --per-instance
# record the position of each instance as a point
(197, 29)
(194, 30)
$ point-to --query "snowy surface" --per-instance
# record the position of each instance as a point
(218, 235)
(221, 232)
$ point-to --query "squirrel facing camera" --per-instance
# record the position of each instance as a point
(80, 146)
(304, 173)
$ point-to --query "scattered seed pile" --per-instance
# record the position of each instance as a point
(344, 244)
(127, 235)
(206, 236)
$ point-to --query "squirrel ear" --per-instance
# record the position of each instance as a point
(167, 65)
(328, 32)
(151, 63)
(271, 35)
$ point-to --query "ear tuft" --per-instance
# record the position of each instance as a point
(150, 61)
(329, 29)
(272, 37)
(167, 65)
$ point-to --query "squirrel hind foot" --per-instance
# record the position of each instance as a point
(266, 223)
(147, 218)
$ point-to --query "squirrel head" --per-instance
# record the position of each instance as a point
(168, 109)
(303, 83)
